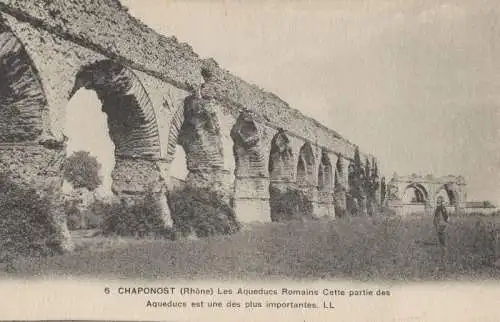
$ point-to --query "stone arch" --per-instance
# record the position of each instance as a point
(133, 129)
(131, 118)
(280, 158)
(450, 194)
(325, 179)
(306, 165)
(420, 193)
(23, 103)
(248, 152)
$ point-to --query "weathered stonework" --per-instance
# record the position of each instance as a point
(157, 93)
(341, 185)
(39, 167)
(426, 188)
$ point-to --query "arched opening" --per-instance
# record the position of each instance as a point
(305, 166)
(250, 161)
(176, 155)
(415, 194)
(442, 193)
(448, 194)
(280, 158)
(132, 126)
(131, 117)
(282, 194)
(301, 172)
(86, 128)
(321, 178)
(338, 175)
(325, 181)
(178, 167)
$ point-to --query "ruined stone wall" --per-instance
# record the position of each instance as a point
(106, 29)
(430, 187)
(158, 93)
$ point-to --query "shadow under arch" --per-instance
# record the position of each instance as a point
(280, 158)
(450, 194)
(325, 179)
(305, 166)
(133, 127)
(421, 194)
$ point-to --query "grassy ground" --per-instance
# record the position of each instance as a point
(353, 248)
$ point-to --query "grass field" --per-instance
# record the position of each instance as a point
(353, 248)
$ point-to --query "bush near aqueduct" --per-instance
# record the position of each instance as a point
(289, 203)
(140, 219)
(202, 211)
(27, 225)
(89, 218)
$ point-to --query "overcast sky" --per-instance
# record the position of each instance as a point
(417, 83)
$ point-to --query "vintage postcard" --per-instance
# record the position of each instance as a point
(225, 160)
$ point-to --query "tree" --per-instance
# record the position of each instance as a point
(367, 177)
(374, 184)
(375, 174)
(82, 170)
(357, 183)
(382, 191)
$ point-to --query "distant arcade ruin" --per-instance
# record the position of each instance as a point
(418, 194)
(157, 94)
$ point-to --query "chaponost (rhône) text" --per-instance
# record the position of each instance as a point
(168, 290)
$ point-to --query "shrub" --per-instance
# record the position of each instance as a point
(289, 204)
(95, 213)
(27, 227)
(142, 218)
(73, 214)
(89, 218)
(202, 211)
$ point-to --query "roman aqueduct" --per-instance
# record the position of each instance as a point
(426, 190)
(157, 93)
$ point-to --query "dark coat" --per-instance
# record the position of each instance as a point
(440, 214)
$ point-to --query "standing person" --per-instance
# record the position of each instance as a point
(441, 221)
